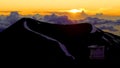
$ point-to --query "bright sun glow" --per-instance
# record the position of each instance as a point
(75, 10)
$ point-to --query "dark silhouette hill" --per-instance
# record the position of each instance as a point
(34, 42)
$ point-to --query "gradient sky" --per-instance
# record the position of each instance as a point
(111, 7)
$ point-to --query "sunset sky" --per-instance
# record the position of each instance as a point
(110, 7)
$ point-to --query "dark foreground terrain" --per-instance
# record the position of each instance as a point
(32, 42)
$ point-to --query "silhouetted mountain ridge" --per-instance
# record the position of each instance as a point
(31, 41)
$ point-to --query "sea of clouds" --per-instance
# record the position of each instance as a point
(106, 25)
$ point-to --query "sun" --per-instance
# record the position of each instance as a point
(75, 11)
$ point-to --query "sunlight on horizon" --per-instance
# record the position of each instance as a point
(75, 11)
(109, 7)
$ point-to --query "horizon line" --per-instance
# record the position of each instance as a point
(49, 11)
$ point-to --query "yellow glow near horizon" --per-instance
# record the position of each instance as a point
(75, 10)
(110, 7)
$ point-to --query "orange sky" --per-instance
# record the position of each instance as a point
(110, 7)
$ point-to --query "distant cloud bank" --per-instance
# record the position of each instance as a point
(106, 25)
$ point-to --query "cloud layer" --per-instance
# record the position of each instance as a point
(106, 25)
